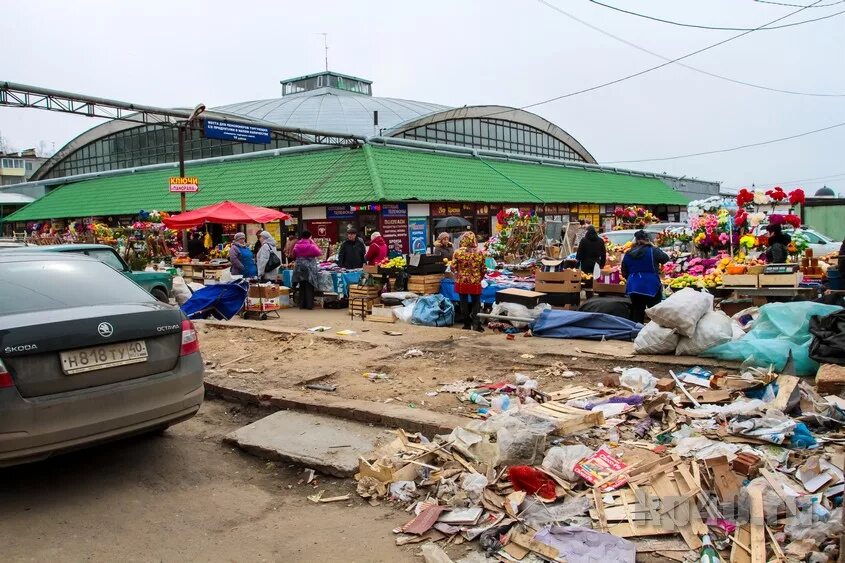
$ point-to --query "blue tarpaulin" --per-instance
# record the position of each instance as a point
(221, 301)
(580, 324)
(488, 294)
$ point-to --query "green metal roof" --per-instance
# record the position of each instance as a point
(350, 175)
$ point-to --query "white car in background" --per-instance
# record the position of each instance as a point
(820, 243)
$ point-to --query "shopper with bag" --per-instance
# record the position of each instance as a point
(469, 270)
(241, 258)
(268, 258)
(641, 270)
(305, 273)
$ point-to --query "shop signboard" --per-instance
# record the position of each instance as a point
(395, 230)
(439, 210)
(231, 131)
(322, 228)
(418, 234)
(179, 184)
(394, 210)
(338, 212)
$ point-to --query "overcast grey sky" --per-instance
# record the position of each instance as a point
(508, 52)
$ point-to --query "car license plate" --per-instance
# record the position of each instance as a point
(102, 357)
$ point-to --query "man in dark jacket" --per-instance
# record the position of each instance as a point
(350, 256)
(591, 251)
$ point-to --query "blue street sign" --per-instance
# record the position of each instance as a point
(229, 131)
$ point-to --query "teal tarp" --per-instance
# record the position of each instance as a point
(780, 329)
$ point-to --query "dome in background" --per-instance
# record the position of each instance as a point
(825, 192)
(332, 102)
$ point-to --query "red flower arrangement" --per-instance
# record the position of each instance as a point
(741, 217)
(744, 197)
(796, 196)
(793, 220)
(777, 194)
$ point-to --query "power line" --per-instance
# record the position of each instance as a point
(710, 27)
(650, 69)
(717, 151)
(707, 73)
(815, 180)
(799, 5)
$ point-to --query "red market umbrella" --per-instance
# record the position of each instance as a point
(225, 212)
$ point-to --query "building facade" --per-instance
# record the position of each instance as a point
(19, 167)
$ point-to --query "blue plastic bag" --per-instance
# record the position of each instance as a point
(433, 310)
(781, 329)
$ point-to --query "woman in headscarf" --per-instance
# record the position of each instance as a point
(443, 246)
(377, 252)
(468, 269)
(640, 268)
(267, 259)
(241, 257)
(305, 273)
(591, 251)
(777, 252)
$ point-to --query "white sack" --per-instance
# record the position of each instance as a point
(654, 339)
(713, 329)
(682, 310)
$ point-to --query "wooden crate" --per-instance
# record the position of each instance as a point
(602, 288)
(740, 280)
(565, 281)
(780, 280)
(522, 296)
(425, 285)
(382, 314)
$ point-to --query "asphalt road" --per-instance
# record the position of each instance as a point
(184, 496)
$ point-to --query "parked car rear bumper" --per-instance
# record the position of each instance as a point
(37, 427)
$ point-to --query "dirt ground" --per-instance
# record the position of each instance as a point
(282, 354)
(184, 496)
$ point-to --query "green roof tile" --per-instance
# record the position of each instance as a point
(344, 175)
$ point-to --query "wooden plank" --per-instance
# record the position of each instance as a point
(528, 542)
(786, 386)
(667, 489)
(740, 552)
(626, 530)
(600, 509)
(516, 551)
(777, 486)
(758, 532)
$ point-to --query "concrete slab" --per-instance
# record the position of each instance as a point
(327, 444)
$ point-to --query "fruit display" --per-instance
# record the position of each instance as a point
(394, 263)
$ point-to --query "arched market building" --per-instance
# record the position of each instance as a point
(401, 165)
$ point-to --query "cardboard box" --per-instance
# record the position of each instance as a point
(564, 281)
(830, 379)
(262, 304)
(614, 288)
(522, 296)
(740, 280)
(264, 290)
(370, 269)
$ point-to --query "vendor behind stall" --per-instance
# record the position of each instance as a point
(196, 248)
(640, 268)
(443, 246)
(377, 252)
(777, 252)
(241, 258)
(591, 251)
(350, 256)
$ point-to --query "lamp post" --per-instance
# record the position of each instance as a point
(183, 128)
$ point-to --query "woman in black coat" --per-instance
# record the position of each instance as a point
(591, 251)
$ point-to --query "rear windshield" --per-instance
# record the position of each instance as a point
(59, 284)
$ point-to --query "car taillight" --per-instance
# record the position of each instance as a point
(5, 377)
(190, 342)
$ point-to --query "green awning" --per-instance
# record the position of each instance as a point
(350, 175)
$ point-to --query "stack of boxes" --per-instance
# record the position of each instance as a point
(265, 297)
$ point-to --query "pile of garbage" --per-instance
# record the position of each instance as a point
(701, 466)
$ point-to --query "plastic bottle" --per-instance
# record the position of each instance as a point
(708, 552)
(478, 399)
(501, 403)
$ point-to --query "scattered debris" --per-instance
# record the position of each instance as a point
(322, 386)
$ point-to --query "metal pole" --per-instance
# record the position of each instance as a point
(182, 198)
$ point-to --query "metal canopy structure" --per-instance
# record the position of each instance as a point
(25, 96)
